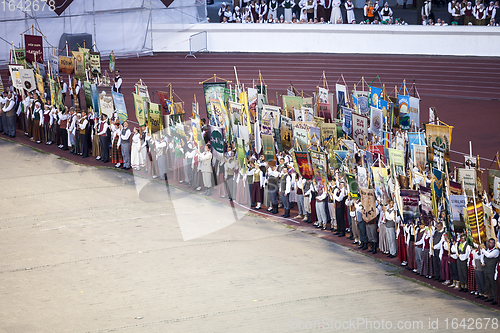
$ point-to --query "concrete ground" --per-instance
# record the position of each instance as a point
(88, 249)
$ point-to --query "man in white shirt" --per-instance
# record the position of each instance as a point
(102, 133)
(490, 263)
(10, 115)
(463, 258)
(205, 160)
(84, 132)
(339, 196)
(390, 227)
(117, 87)
(437, 240)
(286, 188)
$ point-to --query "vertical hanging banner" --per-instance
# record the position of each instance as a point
(347, 121)
(41, 89)
(414, 111)
(252, 103)
(323, 96)
(1, 85)
(410, 205)
(54, 65)
(419, 155)
(28, 79)
(426, 204)
(79, 64)
(299, 138)
(476, 221)
(15, 74)
(154, 117)
(120, 107)
(95, 63)
(363, 105)
(341, 94)
(66, 65)
(467, 177)
(496, 194)
(196, 129)
(213, 90)
(166, 104)
(305, 168)
(217, 142)
(106, 104)
(369, 211)
(438, 140)
(359, 129)
(376, 121)
(314, 135)
(271, 114)
(53, 91)
(458, 203)
(240, 153)
(268, 147)
(384, 106)
(245, 113)
(290, 103)
(95, 99)
(403, 103)
(353, 186)
(375, 96)
(328, 134)
(18, 56)
(492, 173)
(34, 48)
(88, 93)
(235, 110)
(140, 113)
(380, 183)
(318, 162)
(286, 133)
(397, 160)
(437, 178)
(324, 111)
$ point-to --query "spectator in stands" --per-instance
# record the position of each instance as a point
(288, 5)
(468, 13)
(336, 13)
(480, 14)
(370, 12)
(273, 8)
(386, 12)
(456, 13)
(490, 12)
(427, 10)
(253, 11)
(376, 9)
(262, 11)
(237, 16)
(496, 14)
(451, 6)
(222, 9)
(247, 16)
(228, 14)
(349, 7)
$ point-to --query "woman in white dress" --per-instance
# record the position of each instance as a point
(349, 6)
(136, 160)
(336, 14)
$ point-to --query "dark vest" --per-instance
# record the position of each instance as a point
(124, 131)
(490, 265)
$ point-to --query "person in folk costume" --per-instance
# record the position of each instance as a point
(480, 14)
(471, 274)
(136, 161)
(478, 263)
(258, 180)
(288, 5)
(419, 247)
(339, 196)
(84, 133)
(383, 241)
(237, 15)
(286, 188)
(349, 7)
(373, 228)
(262, 11)
(331, 201)
(491, 270)
(221, 11)
(401, 244)
(390, 226)
(219, 172)
(205, 159)
(307, 200)
(116, 152)
(409, 230)
(427, 267)
(490, 12)
(247, 16)
(496, 14)
(273, 8)
(184, 160)
(228, 14)
(357, 210)
(292, 198)
(468, 13)
(427, 10)
(320, 207)
(272, 181)
(125, 135)
(463, 258)
(453, 265)
(263, 165)
(178, 162)
(336, 13)
(299, 183)
(229, 172)
(437, 241)
(29, 119)
(153, 169)
(161, 156)
(144, 145)
(351, 216)
(190, 153)
(386, 12)
(309, 6)
(63, 125)
(456, 13)
(444, 257)
(46, 123)
(37, 117)
(451, 10)
(253, 11)
(96, 146)
(102, 135)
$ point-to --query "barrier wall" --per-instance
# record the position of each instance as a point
(345, 38)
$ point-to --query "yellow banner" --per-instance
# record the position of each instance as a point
(246, 113)
(41, 90)
(438, 140)
(154, 117)
(140, 111)
(79, 64)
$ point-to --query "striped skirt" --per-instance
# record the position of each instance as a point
(472, 278)
(427, 264)
(445, 268)
(116, 151)
(178, 169)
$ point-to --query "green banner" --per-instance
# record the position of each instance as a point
(140, 113)
(268, 147)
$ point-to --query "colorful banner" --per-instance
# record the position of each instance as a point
(53, 91)
(268, 147)
(272, 114)
(419, 153)
(314, 135)
(414, 112)
(496, 194)
(196, 129)
(369, 211)
(305, 169)
(140, 113)
(28, 79)
(476, 222)
(79, 64)
(353, 186)
(106, 104)
(359, 129)
(318, 162)
(384, 106)
(375, 96)
(376, 121)
(121, 109)
(341, 94)
(438, 139)
(410, 205)
(467, 177)
(378, 155)
(213, 90)
(95, 100)
(167, 105)
(380, 183)
(323, 95)
(88, 93)
(347, 121)
(41, 89)
(438, 182)
(324, 111)
(217, 141)
(235, 110)
(1, 85)
(66, 65)
(290, 103)
(397, 160)
(95, 63)
(252, 103)
(426, 204)
(34, 48)
(286, 133)
(245, 113)
(492, 173)
(300, 138)
(363, 105)
(155, 117)
(18, 56)
(457, 203)
(15, 75)
(328, 134)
